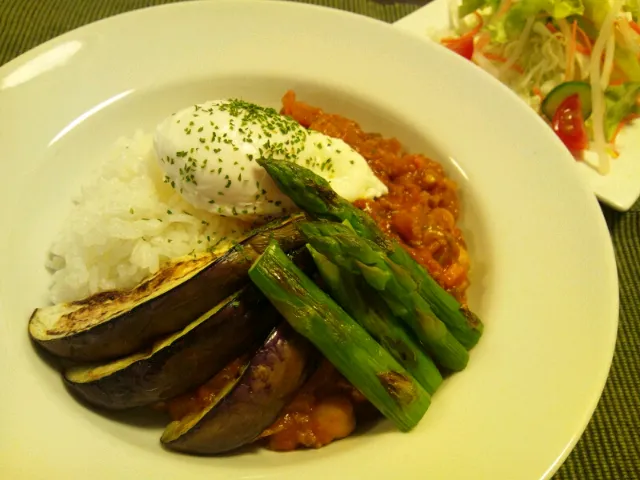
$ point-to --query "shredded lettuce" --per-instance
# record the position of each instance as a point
(560, 8)
(469, 6)
(633, 7)
(596, 11)
(621, 101)
(510, 25)
(629, 64)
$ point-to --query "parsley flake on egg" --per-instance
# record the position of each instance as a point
(232, 134)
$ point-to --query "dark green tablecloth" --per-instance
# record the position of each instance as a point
(610, 448)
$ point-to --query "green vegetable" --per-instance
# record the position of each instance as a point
(368, 310)
(394, 284)
(313, 314)
(628, 64)
(470, 6)
(596, 11)
(621, 101)
(633, 7)
(314, 195)
(510, 25)
(558, 8)
(553, 8)
(563, 91)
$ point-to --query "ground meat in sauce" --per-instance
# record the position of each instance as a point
(422, 206)
(197, 400)
(322, 411)
(420, 211)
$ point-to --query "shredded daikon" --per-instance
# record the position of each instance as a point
(569, 59)
(607, 67)
(484, 63)
(520, 44)
(597, 90)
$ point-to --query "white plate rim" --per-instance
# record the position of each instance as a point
(25, 57)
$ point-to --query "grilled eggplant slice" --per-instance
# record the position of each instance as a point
(112, 324)
(251, 401)
(183, 360)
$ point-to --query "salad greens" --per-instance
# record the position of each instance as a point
(535, 46)
(622, 102)
(515, 19)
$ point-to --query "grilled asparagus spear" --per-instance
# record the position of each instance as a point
(368, 366)
(362, 303)
(313, 194)
(394, 283)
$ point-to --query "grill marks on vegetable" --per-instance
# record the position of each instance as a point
(399, 387)
(181, 361)
(336, 335)
(93, 310)
(109, 325)
(247, 405)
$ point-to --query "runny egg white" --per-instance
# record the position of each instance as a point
(208, 153)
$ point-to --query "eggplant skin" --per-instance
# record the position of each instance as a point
(182, 361)
(112, 324)
(275, 373)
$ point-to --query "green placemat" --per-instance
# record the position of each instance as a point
(610, 447)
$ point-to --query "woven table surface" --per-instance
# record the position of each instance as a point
(610, 447)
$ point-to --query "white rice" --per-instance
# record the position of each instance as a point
(126, 224)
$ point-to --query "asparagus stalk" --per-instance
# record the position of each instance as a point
(314, 195)
(374, 315)
(363, 257)
(368, 366)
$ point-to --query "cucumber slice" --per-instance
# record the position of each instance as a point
(563, 91)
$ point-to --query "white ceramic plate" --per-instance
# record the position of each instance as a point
(544, 277)
(621, 187)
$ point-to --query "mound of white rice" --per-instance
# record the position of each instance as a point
(126, 223)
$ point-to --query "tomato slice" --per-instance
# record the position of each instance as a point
(462, 46)
(568, 124)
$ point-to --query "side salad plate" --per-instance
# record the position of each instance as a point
(545, 52)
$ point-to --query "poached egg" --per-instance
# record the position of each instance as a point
(208, 154)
